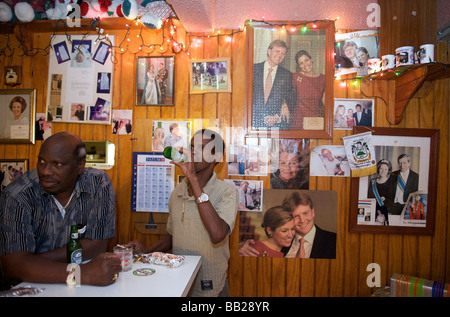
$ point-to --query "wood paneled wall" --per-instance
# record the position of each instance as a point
(423, 256)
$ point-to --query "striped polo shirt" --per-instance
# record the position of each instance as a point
(31, 221)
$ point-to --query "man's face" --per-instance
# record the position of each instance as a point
(57, 170)
(403, 164)
(276, 55)
(303, 218)
(203, 151)
(176, 131)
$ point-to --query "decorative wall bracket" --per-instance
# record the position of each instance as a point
(397, 86)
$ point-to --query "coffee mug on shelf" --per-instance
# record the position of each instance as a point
(373, 65)
(426, 53)
(404, 56)
(388, 61)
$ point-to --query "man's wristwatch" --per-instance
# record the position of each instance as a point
(202, 198)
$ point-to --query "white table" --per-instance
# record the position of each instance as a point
(166, 282)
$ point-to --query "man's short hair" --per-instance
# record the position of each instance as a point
(79, 153)
(278, 43)
(295, 199)
(173, 126)
(402, 156)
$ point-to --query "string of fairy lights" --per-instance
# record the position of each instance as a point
(158, 44)
(165, 42)
(137, 33)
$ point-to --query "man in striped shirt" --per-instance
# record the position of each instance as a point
(38, 210)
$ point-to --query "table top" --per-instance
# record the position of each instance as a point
(165, 282)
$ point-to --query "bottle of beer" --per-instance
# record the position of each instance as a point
(173, 154)
(74, 249)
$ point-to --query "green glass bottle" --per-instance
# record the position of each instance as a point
(173, 154)
(74, 249)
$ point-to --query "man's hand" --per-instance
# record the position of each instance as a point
(285, 114)
(272, 120)
(247, 249)
(102, 270)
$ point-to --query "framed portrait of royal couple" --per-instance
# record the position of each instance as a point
(155, 80)
(400, 198)
(290, 69)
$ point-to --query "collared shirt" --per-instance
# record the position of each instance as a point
(266, 72)
(309, 240)
(171, 140)
(245, 198)
(190, 237)
(399, 192)
(30, 220)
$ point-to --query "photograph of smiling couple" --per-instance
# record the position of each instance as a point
(292, 224)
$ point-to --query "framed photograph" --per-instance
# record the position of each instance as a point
(353, 51)
(401, 197)
(155, 81)
(209, 75)
(349, 113)
(290, 78)
(11, 169)
(17, 109)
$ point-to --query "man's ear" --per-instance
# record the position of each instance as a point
(81, 166)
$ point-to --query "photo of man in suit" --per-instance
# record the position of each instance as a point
(273, 93)
(407, 183)
(361, 117)
(310, 241)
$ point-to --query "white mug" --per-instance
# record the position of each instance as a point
(426, 53)
(373, 65)
(388, 61)
(404, 55)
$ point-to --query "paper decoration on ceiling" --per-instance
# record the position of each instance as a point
(101, 8)
(24, 11)
(6, 14)
(150, 12)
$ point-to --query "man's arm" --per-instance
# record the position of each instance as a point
(91, 248)
(163, 244)
(29, 267)
(217, 227)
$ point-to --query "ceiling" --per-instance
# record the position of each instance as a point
(207, 16)
(211, 15)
